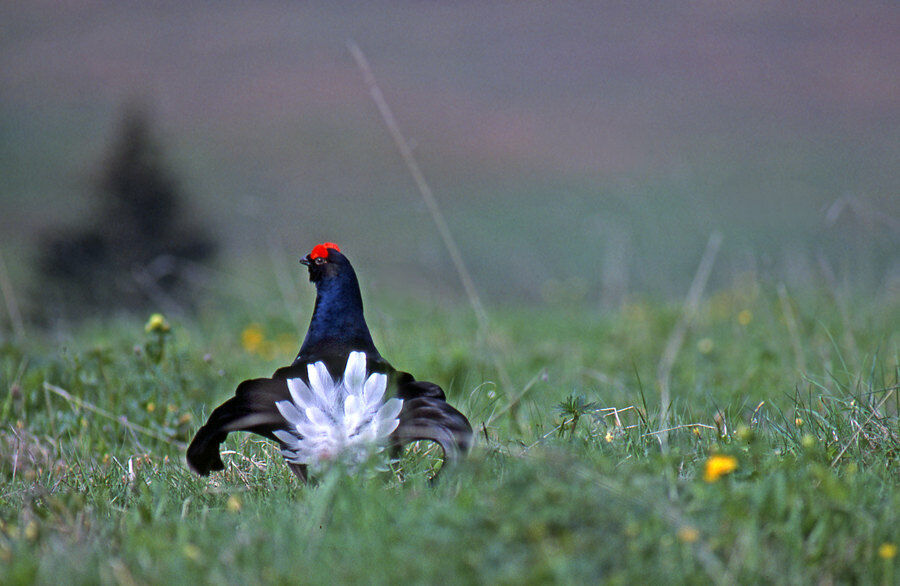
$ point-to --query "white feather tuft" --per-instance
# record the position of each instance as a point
(344, 419)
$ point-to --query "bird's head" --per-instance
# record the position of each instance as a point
(324, 261)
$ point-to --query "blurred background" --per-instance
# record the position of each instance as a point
(582, 152)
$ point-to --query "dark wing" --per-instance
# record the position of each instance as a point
(410, 388)
(251, 409)
(426, 415)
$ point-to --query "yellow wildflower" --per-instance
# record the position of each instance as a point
(798, 422)
(609, 437)
(151, 407)
(31, 531)
(717, 466)
(192, 552)
(688, 534)
(705, 345)
(157, 323)
(252, 337)
(887, 550)
(234, 504)
(745, 317)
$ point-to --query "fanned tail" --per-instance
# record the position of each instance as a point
(425, 416)
(430, 418)
(251, 409)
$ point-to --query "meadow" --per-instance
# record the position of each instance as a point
(780, 464)
(582, 154)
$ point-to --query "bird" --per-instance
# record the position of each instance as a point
(339, 399)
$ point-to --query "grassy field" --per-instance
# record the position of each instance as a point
(582, 153)
(568, 482)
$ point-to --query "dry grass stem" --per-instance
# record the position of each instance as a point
(513, 403)
(120, 419)
(676, 338)
(860, 428)
(677, 427)
(440, 222)
(424, 189)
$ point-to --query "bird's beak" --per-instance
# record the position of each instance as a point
(305, 261)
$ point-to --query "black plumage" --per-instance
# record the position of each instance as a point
(337, 328)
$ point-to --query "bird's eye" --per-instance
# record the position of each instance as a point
(320, 260)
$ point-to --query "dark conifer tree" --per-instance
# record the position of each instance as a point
(136, 247)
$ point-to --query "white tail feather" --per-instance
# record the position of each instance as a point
(344, 419)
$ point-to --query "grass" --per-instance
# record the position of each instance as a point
(569, 481)
(571, 486)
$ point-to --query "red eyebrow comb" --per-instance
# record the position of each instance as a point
(321, 250)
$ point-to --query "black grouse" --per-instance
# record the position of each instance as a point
(331, 400)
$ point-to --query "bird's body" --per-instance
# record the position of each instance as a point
(339, 394)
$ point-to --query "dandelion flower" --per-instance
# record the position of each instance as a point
(688, 534)
(233, 504)
(252, 337)
(344, 419)
(745, 317)
(887, 551)
(31, 531)
(192, 552)
(157, 323)
(717, 466)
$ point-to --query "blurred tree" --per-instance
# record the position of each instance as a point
(138, 249)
